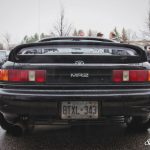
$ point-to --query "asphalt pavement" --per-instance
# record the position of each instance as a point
(79, 138)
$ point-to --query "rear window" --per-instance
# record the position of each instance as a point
(78, 50)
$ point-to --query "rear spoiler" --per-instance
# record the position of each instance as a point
(14, 57)
(75, 39)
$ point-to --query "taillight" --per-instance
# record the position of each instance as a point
(125, 75)
(31, 75)
(131, 75)
(3, 75)
(117, 76)
(40, 76)
(14, 75)
(138, 75)
(23, 75)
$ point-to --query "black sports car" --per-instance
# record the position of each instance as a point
(74, 80)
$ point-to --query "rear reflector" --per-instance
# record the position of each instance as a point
(131, 75)
(23, 75)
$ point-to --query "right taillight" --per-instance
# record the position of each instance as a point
(117, 76)
(23, 75)
(131, 75)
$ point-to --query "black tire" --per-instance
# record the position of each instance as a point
(4, 124)
(9, 128)
(15, 129)
(138, 124)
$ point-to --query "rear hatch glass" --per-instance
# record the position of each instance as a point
(78, 64)
(78, 50)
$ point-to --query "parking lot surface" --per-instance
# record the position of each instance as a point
(78, 138)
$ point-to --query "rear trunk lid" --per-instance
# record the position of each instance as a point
(79, 74)
(76, 63)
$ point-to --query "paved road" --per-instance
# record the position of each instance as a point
(90, 138)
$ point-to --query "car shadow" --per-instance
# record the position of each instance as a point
(88, 137)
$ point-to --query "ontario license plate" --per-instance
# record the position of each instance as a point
(79, 110)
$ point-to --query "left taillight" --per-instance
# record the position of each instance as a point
(23, 75)
(3, 75)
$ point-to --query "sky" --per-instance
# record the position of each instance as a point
(26, 17)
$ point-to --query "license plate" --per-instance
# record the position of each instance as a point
(79, 110)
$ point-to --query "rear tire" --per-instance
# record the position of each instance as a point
(4, 124)
(139, 124)
(13, 129)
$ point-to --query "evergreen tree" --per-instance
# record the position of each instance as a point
(52, 34)
(35, 37)
(75, 33)
(42, 36)
(90, 32)
(30, 39)
(124, 36)
(25, 40)
(117, 33)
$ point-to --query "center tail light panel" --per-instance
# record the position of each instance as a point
(15, 75)
(131, 76)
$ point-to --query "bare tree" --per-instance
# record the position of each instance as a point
(7, 38)
(146, 32)
(1, 46)
(131, 35)
(61, 27)
(148, 21)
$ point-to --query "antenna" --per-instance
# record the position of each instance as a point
(39, 18)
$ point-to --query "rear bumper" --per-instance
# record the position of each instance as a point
(46, 103)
